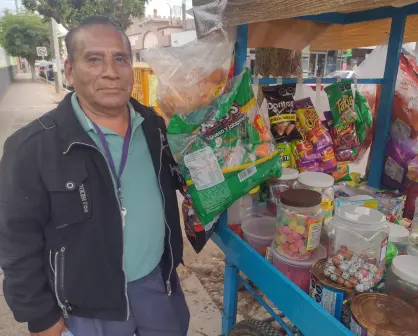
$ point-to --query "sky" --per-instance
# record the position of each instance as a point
(10, 4)
(163, 6)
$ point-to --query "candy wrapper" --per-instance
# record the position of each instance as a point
(224, 150)
(282, 112)
(186, 86)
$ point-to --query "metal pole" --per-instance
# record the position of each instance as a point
(57, 56)
(382, 124)
(17, 5)
(241, 49)
(183, 12)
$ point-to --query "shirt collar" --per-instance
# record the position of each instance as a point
(86, 123)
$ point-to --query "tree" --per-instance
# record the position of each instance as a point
(277, 62)
(21, 33)
(70, 13)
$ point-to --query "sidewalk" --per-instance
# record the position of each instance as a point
(26, 101)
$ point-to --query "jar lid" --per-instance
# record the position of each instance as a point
(301, 198)
(289, 174)
(406, 268)
(360, 216)
(384, 315)
(316, 180)
(398, 234)
(320, 253)
(391, 252)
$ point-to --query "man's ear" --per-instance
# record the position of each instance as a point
(68, 69)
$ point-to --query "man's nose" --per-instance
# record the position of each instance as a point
(109, 70)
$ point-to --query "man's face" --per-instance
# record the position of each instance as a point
(101, 70)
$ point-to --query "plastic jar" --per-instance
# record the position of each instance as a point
(402, 279)
(238, 212)
(321, 183)
(359, 243)
(299, 220)
(299, 271)
(276, 186)
(259, 232)
(398, 235)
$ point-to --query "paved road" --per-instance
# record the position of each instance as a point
(26, 101)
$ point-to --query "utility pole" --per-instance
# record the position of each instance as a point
(17, 6)
(57, 56)
(183, 12)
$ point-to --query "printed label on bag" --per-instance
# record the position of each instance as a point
(250, 171)
(204, 168)
(394, 170)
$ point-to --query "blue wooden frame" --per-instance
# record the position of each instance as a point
(309, 317)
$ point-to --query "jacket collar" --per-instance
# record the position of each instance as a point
(70, 129)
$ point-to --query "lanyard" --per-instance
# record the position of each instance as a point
(124, 158)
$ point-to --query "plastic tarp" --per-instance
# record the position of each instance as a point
(273, 23)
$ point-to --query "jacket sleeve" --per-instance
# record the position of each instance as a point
(24, 212)
(179, 181)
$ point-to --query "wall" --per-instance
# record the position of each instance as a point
(179, 39)
(7, 69)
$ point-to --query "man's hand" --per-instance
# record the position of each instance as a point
(55, 330)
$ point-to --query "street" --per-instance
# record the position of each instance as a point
(26, 101)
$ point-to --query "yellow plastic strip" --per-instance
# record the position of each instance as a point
(244, 166)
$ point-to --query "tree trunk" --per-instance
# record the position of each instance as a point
(32, 70)
(277, 62)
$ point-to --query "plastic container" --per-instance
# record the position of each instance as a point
(321, 183)
(359, 242)
(402, 279)
(259, 232)
(398, 235)
(413, 250)
(238, 212)
(299, 271)
(333, 297)
(375, 314)
(285, 182)
(299, 220)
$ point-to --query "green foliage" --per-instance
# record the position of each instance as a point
(20, 34)
(71, 12)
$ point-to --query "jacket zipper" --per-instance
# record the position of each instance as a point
(120, 213)
(59, 280)
(168, 282)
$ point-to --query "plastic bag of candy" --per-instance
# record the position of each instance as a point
(186, 86)
(282, 112)
(224, 150)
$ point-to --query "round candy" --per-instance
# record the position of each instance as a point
(360, 288)
(346, 276)
(344, 266)
(347, 254)
(354, 281)
(352, 270)
(348, 284)
(358, 275)
(293, 248)
(298, 244)
(300, 219)
(340, 281)
(283, 238)
(300, 229)
(293, 224)
(290, 239)
(286, 230)
(296, 235)
(327, 272)
(334, 277)
(303, 250)
(372, 268)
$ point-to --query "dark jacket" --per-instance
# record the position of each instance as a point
(61, 236)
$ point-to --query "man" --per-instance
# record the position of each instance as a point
(89, 226)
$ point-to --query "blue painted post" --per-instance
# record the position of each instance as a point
(241, 49)
(229, 315)
(388, 89)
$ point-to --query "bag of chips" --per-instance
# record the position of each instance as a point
(285, 152)
(340, 97)
(281, 110)
(224, 150)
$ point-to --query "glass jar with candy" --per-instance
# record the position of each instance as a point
(299, 219)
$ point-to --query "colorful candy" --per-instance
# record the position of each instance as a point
(351, 271)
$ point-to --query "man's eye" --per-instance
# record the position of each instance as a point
(120, 60)
(94, 60)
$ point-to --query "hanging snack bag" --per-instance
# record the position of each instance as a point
(285, 152)
(340, 97)
(316, 133)
(222, 150)
(328, 160)
(281, 110)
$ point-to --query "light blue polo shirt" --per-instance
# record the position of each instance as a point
(144, 230)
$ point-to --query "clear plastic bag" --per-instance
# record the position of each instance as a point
(192, 76)
(224, 150)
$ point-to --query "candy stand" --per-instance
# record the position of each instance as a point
(308, 316)
(273, 186)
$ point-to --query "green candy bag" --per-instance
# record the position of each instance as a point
(224, 150)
